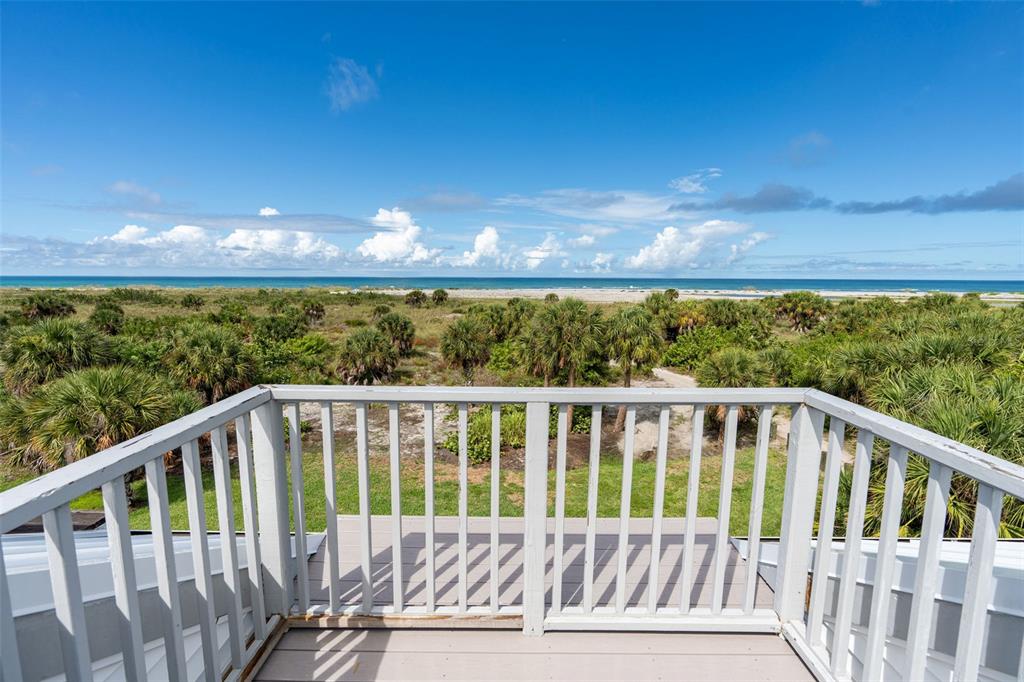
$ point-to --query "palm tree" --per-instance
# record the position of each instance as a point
(634, 342)
(731, 367)
(367, 356)
(465, 344)
(95, 408)
(210, 360)
(439, 296)
(564, 337)
(46, 350)
(400, 330)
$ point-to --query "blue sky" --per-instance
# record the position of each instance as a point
(789, 140)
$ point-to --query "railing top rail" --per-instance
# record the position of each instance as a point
(981, 466)
(49, 491)
(579, 395)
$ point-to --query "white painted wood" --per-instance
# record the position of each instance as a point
(428, 502)
(363, 464)
(122, 566)
(228, 542)
(826, 526)
(201, 558)
(724, 508)
(840, 661)
(247, 485)
(692, 491)
(298, 503)
(885, 563)
(661, 460)
(10, 657)
(799, 499)
(561, 439)
(394, 441)
(591, 535)
(166, 575)
(624, 509)
(509, 394)
(463, 507)
(535, 511)
(29, 500)
(67, 593)
(330, 504)
(970, 645)
(927, 573)
(764, 431)
(495, 548)
(272, 494)
(988, 469)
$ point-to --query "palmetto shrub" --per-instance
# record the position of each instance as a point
(400, 330)
(87, 411)
(37, 353)
(108, 317)
(45, 305)
(210, 360)
(465, 344)
(367, 356)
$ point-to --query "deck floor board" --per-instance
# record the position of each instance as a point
(466, 654)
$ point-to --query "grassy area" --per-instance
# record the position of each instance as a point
(446, 491)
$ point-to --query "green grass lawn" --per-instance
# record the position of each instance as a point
(446, 491)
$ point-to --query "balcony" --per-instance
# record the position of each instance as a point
(538, 593)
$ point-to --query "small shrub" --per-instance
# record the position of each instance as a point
(192, 301)
(439, 296)
(107, 316)
(416, 298)
(46, 305)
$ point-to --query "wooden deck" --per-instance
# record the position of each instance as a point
(506, 654)
(510, 572)
(306, 654)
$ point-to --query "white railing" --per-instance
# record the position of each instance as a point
(271, 483)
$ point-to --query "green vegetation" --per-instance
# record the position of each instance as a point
(84, 369)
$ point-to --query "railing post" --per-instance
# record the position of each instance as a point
(803, 463)
(535, 511)
(272, 501)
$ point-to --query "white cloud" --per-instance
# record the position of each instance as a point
(399, 243)
(696, 182)
(136, 246)
(349, 83)
(268, 211)
(675, 248)
(129, 188)
(129, 234)
(485, 246)
(259, 246)
(583, 204)
(583, 240)
(533, 257)
(602, 262)
(736, 251)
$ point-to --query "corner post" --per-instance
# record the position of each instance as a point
(803, 464)
(535, 511)
(272, 500)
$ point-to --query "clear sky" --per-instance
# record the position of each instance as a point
(789, 140)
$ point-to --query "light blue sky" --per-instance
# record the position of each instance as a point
(789, 140)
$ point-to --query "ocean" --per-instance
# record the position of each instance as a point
(737, 284)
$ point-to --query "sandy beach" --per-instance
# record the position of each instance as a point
(634, 295)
